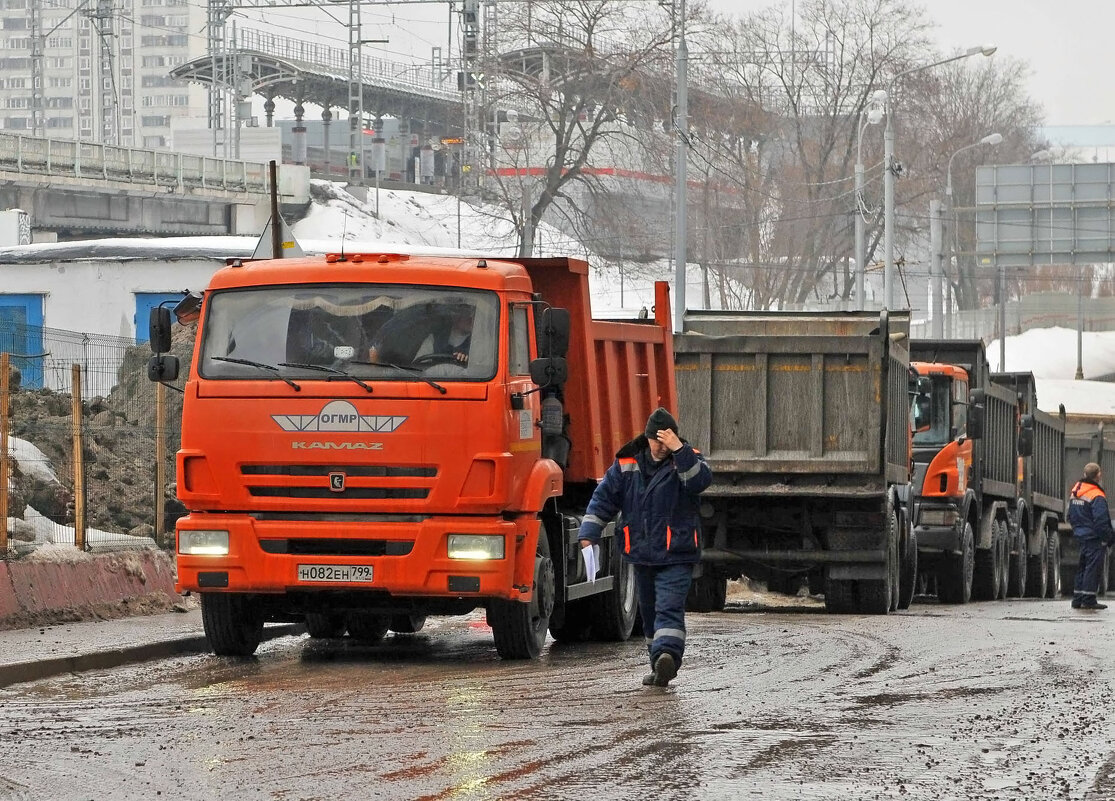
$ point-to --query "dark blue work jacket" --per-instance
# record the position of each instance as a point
(1088, 513)
(658, 502)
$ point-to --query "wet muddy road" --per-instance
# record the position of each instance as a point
(1008, 700)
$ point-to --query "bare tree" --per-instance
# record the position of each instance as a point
(586, 81)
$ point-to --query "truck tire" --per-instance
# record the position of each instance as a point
(988, 574)
(367, 627)
(613, 612)
(840, 596)
(1004, 559)
(520, 628)
(880, 596)
(233, 622)
(407, 624)
(1105, 573)
(1053, 563)
(1037, 570)
(1019, 564)
(955, 577)
(908, 576)
(576, 624)
(707, 593)
(325, 625)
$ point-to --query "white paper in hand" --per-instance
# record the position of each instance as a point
(589, 554)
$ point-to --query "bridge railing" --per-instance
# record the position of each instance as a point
(66, 157)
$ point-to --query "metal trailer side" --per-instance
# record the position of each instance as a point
(804, 420)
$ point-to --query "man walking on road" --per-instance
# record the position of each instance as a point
(1091, 525)
(654, 483)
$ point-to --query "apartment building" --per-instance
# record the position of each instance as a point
(103, 68)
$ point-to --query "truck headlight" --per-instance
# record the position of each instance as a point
(475, 546)
(938, 517)
(203, 543)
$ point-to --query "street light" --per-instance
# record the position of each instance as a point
(937, 290)
(888, 167)
(871, 116)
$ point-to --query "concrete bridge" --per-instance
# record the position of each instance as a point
(80, 189)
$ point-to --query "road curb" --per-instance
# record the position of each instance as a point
(19, 672)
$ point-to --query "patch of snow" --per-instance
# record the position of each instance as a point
(32, 461)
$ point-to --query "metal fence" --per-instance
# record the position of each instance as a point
(1044, 310)
(86, 457)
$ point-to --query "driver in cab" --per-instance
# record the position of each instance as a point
(446, 336)
(453, 339)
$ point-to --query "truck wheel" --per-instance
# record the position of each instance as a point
(520, 628)
(576, 624)
(367, 626)
(613, 612)
(1037, 570)
(407, 624)
(908, 577)
(880, 596)
(840, 596)
(1019, 567)
(1053, 563)
(1004, 559)
(233, 622)
(988, 572)
(957, 572)
(1104, 573)
(325, 625)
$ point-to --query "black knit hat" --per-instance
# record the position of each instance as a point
(660, 419)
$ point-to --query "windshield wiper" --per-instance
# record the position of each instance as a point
(272, 368)
(429, 381)
(323, 369)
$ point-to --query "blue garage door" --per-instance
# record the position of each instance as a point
(145, 302)
(21, 335)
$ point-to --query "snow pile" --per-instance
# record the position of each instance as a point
(1051, 353)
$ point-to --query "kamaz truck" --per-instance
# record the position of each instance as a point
(350, 462)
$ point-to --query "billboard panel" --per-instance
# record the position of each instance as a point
(1030, 214)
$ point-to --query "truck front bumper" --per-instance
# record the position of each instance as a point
(405, 558)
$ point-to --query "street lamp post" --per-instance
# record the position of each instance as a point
(990, 139)
(888, 168)
(871, 116)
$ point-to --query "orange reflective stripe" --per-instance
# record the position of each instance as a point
(695, 543)
(626, 539)
(669, 534)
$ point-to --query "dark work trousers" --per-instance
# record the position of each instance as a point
(661, 592)
(1088, 572)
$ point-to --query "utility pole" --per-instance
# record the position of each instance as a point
(936, 268)
(681, 123)
(101, 19)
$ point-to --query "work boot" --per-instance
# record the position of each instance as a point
(1076, 602)
(648, 680)
(665, 669)
(1095, 605)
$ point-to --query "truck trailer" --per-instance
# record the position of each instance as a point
(804, 419)
(347, 463)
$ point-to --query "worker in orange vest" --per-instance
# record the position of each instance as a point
(1091, 525)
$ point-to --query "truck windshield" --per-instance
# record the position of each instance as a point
(940, 428)
(373, 332)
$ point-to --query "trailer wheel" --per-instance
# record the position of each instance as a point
(407, 624)
(613, 612)
(1004, 559)
(325, 625)
(233, 622)
(1053, 563)
(707, 593)
(955, 577)
(1019, 566)
(1037, 570)
(367, 626)
(840, 596)
(908, 578)
(1105, 572)
(520, 628)
(880, 596)
(988, 574)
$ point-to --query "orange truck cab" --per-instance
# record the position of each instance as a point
(368, 439)
(971, 444)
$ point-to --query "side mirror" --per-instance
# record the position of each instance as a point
(158, 329)
(549, 371)
(1026, 436)
(162, 367)
(975, 414)
(553, 335)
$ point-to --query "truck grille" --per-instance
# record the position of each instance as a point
(313, 546)
(312, 481)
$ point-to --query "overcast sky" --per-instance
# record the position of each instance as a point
(1068, 43)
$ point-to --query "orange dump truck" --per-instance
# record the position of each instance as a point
(368, 439)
